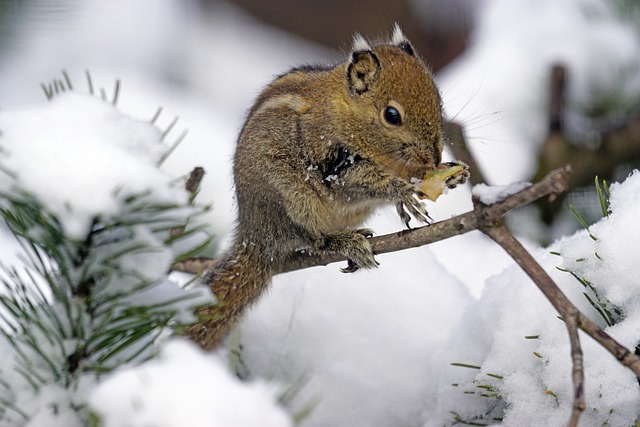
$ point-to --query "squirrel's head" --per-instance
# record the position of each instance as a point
(394, 105)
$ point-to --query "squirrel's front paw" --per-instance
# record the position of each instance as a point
(459, 177)
(355, 246)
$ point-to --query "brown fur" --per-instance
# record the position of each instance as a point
(314, 159)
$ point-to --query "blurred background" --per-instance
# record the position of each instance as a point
(528, 85)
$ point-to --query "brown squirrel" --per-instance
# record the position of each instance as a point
(321, 149)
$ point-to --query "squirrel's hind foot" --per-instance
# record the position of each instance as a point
(355, 246)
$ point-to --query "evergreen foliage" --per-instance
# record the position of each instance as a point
(79, 308)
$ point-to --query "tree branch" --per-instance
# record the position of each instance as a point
(617, 141)
(551, 185)
(579, 404)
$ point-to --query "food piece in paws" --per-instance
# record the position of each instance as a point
(446, 175)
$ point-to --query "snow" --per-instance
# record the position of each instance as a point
(368, 349)
(51, 406)
(82, 159)
(185, 386)
(75, 171)
(365, 342)
(490, 194)
(492, 332)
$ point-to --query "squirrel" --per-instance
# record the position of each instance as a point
(320, 150)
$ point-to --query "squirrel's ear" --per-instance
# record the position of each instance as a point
(364, 66)
(360, 44)
(399, 40)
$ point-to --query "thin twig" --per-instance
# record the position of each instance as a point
(192, 185)
(611, 141)
(554, 183)
(557, 101)
(457, 143)
(193, 182)
(570, 314)
(577, 375)
(501, 235)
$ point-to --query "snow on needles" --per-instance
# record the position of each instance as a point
(80, 157)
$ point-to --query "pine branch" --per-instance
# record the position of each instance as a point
(79, 307)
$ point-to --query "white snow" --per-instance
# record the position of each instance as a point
(492, 333)
(81, 158)
(366, 342)
(490, 194)
(55, 152)
(51, 406)
(400, 328)
(184, 386)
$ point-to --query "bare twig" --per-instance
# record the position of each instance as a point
(192, 185)
(552, 185)
(557, 95)
(579, 404)
(457, 142)
(501, 235)
(570, 314)
(615, 141)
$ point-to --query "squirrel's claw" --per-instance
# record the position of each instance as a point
(351, 267)
(404, 216)
(460, 177)
(415, 208)
(455, 180)
(354, 245)
(366, 232)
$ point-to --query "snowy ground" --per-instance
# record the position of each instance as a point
(373, 348)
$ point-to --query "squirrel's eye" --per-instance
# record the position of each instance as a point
(392, 116)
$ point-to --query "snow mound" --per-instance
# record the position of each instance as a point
(184, 386)
(362, 345)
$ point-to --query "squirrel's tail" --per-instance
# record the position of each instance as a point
(236, 281)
